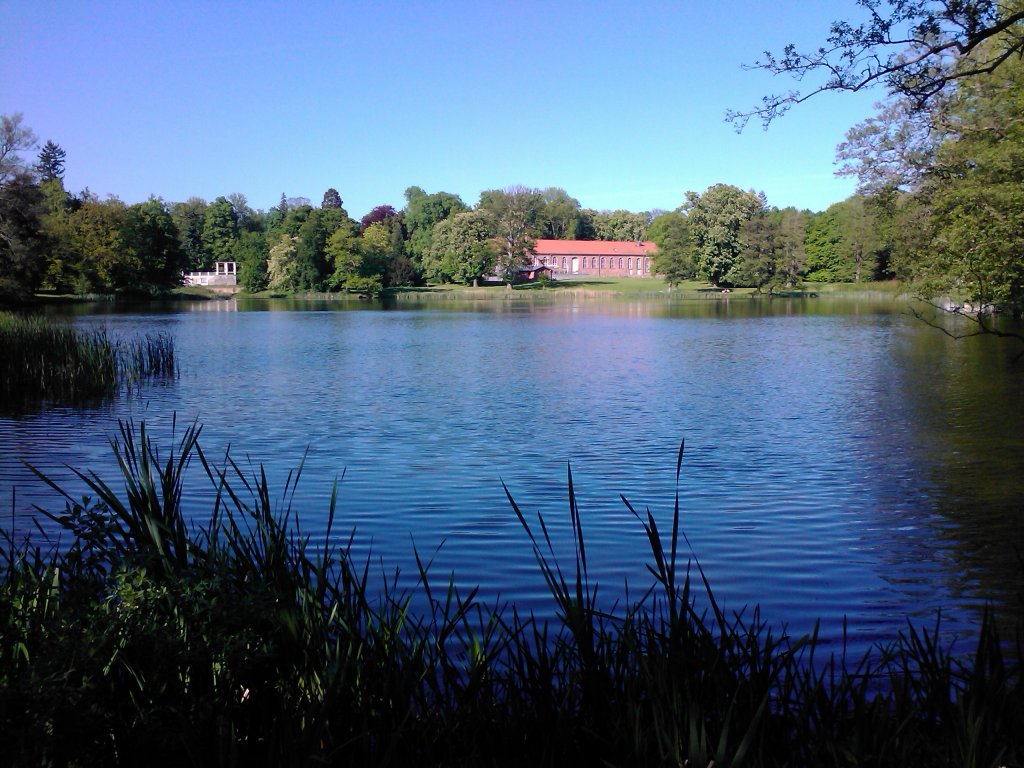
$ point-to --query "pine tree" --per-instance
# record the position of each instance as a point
(331, 199)
(51, 162)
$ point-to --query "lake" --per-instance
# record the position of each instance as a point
(842, 458)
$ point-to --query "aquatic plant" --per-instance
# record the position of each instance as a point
(148, 638)
(51, 361)
(147, 357)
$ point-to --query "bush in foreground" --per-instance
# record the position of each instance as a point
(237, 642)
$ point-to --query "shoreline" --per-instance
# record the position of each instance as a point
(653, 290)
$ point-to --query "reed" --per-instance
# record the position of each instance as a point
(147, 639)
(148, 357)
(52, 361)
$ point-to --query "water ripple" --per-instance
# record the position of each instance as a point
(836, 465)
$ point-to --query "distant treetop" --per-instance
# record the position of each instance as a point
(331, 199)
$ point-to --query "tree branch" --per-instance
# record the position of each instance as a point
(918, 64)
(980, 319)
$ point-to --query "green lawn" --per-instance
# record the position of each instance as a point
(640, 288)
(593, 288)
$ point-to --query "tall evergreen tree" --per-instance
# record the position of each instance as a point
(332, 199)
(51, 162)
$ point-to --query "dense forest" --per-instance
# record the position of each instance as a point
(940, 204)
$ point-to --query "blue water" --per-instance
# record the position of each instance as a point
(842, 460)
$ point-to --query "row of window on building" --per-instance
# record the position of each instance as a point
(628, 266)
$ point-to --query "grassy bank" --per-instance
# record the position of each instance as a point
(147, 640)
(596, 289)
(654, 288)
(45, 360)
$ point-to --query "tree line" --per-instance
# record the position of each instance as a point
(940, 201)
(51, 239)
(941, 165)
(731, 237)
(67, 243)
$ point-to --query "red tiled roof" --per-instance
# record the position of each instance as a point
(593, 248)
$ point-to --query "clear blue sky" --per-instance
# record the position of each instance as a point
(620, 103)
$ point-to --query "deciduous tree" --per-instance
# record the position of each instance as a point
(975, 193)
(22, 243)
(620, 225)
(843, 243)
(462, 248)
(379, 213)
(559, 216)
(220, 231)
(151, 236)
(282, 267)
(792, 257)
(190, 219)
(515, 210)
(675, 258)
(15, 138)
(759, 237)
(251, 253)
(104, 263)
(913, 48)
(422, 212)
(716, 218)
(344, 257)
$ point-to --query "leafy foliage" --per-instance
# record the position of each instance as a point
(559, 216)
(843, 244)
(190, 219)
(675, 258)
(716, 218)
(422, 212)
(220, 231)
(22, 242)
(282, 264)
(252, 254)
(620, 225)
(150, 234)
(15, 138)
(462, 248)
(946, 185)
(515, 210)
(378, 214)
(916, 49)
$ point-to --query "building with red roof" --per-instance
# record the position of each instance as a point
(595, 258)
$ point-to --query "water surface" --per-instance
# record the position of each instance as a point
(842, 459)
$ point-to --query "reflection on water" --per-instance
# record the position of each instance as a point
(842, 459)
